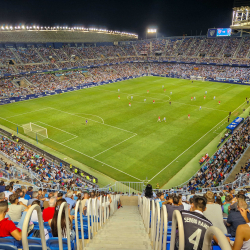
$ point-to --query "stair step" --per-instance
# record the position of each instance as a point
(118, 241)
(112, 246)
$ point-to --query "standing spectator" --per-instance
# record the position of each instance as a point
(16, 208)
(235, 218)
(48, 213)
(213, 212)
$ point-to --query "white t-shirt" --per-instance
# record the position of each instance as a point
(25, 202)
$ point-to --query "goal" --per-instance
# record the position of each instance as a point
(197, 78)
(35, 131)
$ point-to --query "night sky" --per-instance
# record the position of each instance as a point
(172, 18)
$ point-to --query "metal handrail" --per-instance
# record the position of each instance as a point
(214, 231)
(26, 224)
(63, 208)
(80, 209)
(157, 225)
(153, 221)
(177, 220)
(164, 228)
(88, 215)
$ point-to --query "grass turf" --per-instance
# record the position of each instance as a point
(127, 143)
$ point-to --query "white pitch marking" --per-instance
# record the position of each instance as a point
(95, 159)
(56, 128)
(9, 121)
(27, 112)
(70, 139)
(193, 144)
(115, 145)
(83, 154)
(94, 121)
(92, 115)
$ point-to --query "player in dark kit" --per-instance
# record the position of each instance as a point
(195, 225)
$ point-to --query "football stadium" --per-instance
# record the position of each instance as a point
(124, 140)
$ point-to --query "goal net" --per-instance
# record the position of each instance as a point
(35, 131)
(197, 78)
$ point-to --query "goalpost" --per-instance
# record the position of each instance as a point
(35, 131)
(197, 78)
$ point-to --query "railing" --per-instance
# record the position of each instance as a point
(127, 187)
(159, 228)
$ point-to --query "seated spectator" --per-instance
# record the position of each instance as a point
(29, 193)
(174, 206)
(8, 191)
(48, 213)
(213, 212)
(198, 208)
(235, 218)
(21, 198)
(227, 203)
(84, 199)
(191, 196)
(185, 204)
(70, 199)
(2, 186)
(16, 208)
(242, 238)
(2, 196)
(35, 197)
(53, 222)
(7, 227)
(34, 216)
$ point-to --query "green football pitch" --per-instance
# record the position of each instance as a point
(126, 142)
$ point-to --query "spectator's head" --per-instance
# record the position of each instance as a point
(85, 196)
(192, 191)
(92, 195)
(7, 188)
(35, 202)
(35, 195)
(70, 194)
(176, 200)
(11, 189)
(1, 183)
(241, 196)
(209, 196)
(3, 207)
(228, 199)
(17, 182)
(59, 196)
(13, 198)
(149, 191)
(52, 201)
(30, 189)
(54, 219)
(21, 194)
(242, 204)
(50, 195)
(200, 203)
(2, 196)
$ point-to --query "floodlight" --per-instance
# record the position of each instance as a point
(152, 30)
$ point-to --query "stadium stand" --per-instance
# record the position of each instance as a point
(49, 179)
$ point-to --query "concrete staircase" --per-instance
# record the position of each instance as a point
(124, 230)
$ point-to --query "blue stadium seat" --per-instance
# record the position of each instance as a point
(85, 228)
(7, 247)
(10, 241)
(53, 244)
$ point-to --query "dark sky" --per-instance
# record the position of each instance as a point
(172, 18)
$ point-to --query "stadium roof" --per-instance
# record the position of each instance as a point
(36, 34)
